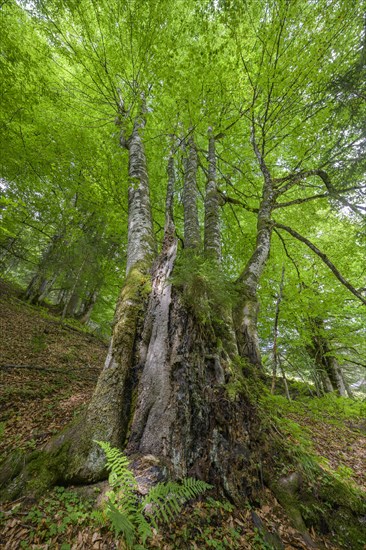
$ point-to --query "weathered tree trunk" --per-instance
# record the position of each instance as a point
(212, 239)
(162, 390)
(192, 237)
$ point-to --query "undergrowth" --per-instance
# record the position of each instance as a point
(54, 517)
(325, 494)
(330, 408)
(330, 405)
(134, 518)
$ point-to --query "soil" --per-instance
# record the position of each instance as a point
(48, 370)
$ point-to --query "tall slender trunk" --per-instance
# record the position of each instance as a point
(192, 237)
(141, 240)
(212, 237)
(287, 391)
(275, 354)
(246, 311)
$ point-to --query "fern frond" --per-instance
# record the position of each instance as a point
(99, 517)
(195, 487)
(124, 509)
(143, 527)
(167, 499)
(121, 523)
(118, 465)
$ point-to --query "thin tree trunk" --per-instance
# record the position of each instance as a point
(192, 237)
(212, 235)
(72, 301)
(346, 385)
(88, 306)
(330, 370)
(275, 355)
(246, 311)
(287, 392)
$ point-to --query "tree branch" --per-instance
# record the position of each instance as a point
(231, 200)
(293, 179)
(324, 258)
(286, 251)
(300, 201)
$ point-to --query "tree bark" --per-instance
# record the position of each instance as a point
(192, 237)
(141, 241)
(212, 236)
(275, 354)
(88, 305)
(246, 311)
(328, 366)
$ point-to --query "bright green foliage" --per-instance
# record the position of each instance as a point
(292, 73)
(168, 498)
(127, 512)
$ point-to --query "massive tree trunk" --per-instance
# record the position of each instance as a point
(162, 391)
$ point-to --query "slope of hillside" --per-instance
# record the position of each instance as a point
(48, 370)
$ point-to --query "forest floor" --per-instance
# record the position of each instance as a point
(48, 370)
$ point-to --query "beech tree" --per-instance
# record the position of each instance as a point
(225, 139)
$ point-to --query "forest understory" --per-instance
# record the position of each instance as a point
(49, 369)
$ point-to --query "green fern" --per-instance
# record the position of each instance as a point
(126, 512)
(166, 499)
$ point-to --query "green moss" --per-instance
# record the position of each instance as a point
(349, 529)
(328, 501)
(290, 502)
(204, 289)
(11, 466)
(45, 469)
(130, 306)
(36, 473)
(243, 380)
(339, 492)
